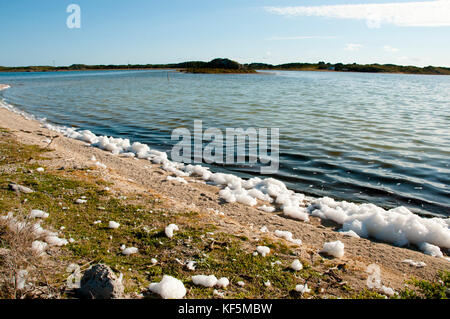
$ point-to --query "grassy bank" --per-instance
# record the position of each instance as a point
(143, 218)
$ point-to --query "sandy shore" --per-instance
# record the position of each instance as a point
(132, 176)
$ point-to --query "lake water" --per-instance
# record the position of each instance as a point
(379, 138)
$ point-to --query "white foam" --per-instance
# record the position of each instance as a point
(223, 283)
(349, 233)
(431, 250)
(205, 281)
(303, 289)
(387, 291)
(296, 265)
(36, 213)
(287, 236)
(56, 241)
(398, 226)
(38, 247)
(335, 248)
(169, 231)
(190, 265)
(129, 251)
(169, 288)
(113, 225)
(263, 250)
(20, 279)
(177, 179)
(267, 209)
(418, 264)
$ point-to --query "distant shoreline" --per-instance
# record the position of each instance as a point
(226, 66)
(264, 71)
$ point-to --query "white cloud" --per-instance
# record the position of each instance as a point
(388, 48)
(353, 47)
(302, 37)
(434, 13)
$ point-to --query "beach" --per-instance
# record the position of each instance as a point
(132, 178)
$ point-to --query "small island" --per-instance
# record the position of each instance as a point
(215, 66)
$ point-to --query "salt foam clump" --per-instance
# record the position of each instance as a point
(431, 250)
(335, 248)
(303, 289)
(296, 265)
(36, 213)
(170, 230)
(398, 226)
(38, 247)
(263, 250)
(169, 288)
(205, 281)
(287, 236)
(113, 225)
(55, 241)
(223, 282)
(129, 251)
(418, 264)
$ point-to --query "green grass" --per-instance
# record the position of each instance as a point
(439, 289)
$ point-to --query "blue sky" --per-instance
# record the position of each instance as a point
(34, 32)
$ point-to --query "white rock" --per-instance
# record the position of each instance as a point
(287, 236)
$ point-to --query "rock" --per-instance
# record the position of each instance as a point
(99, 282)
(20, 189)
